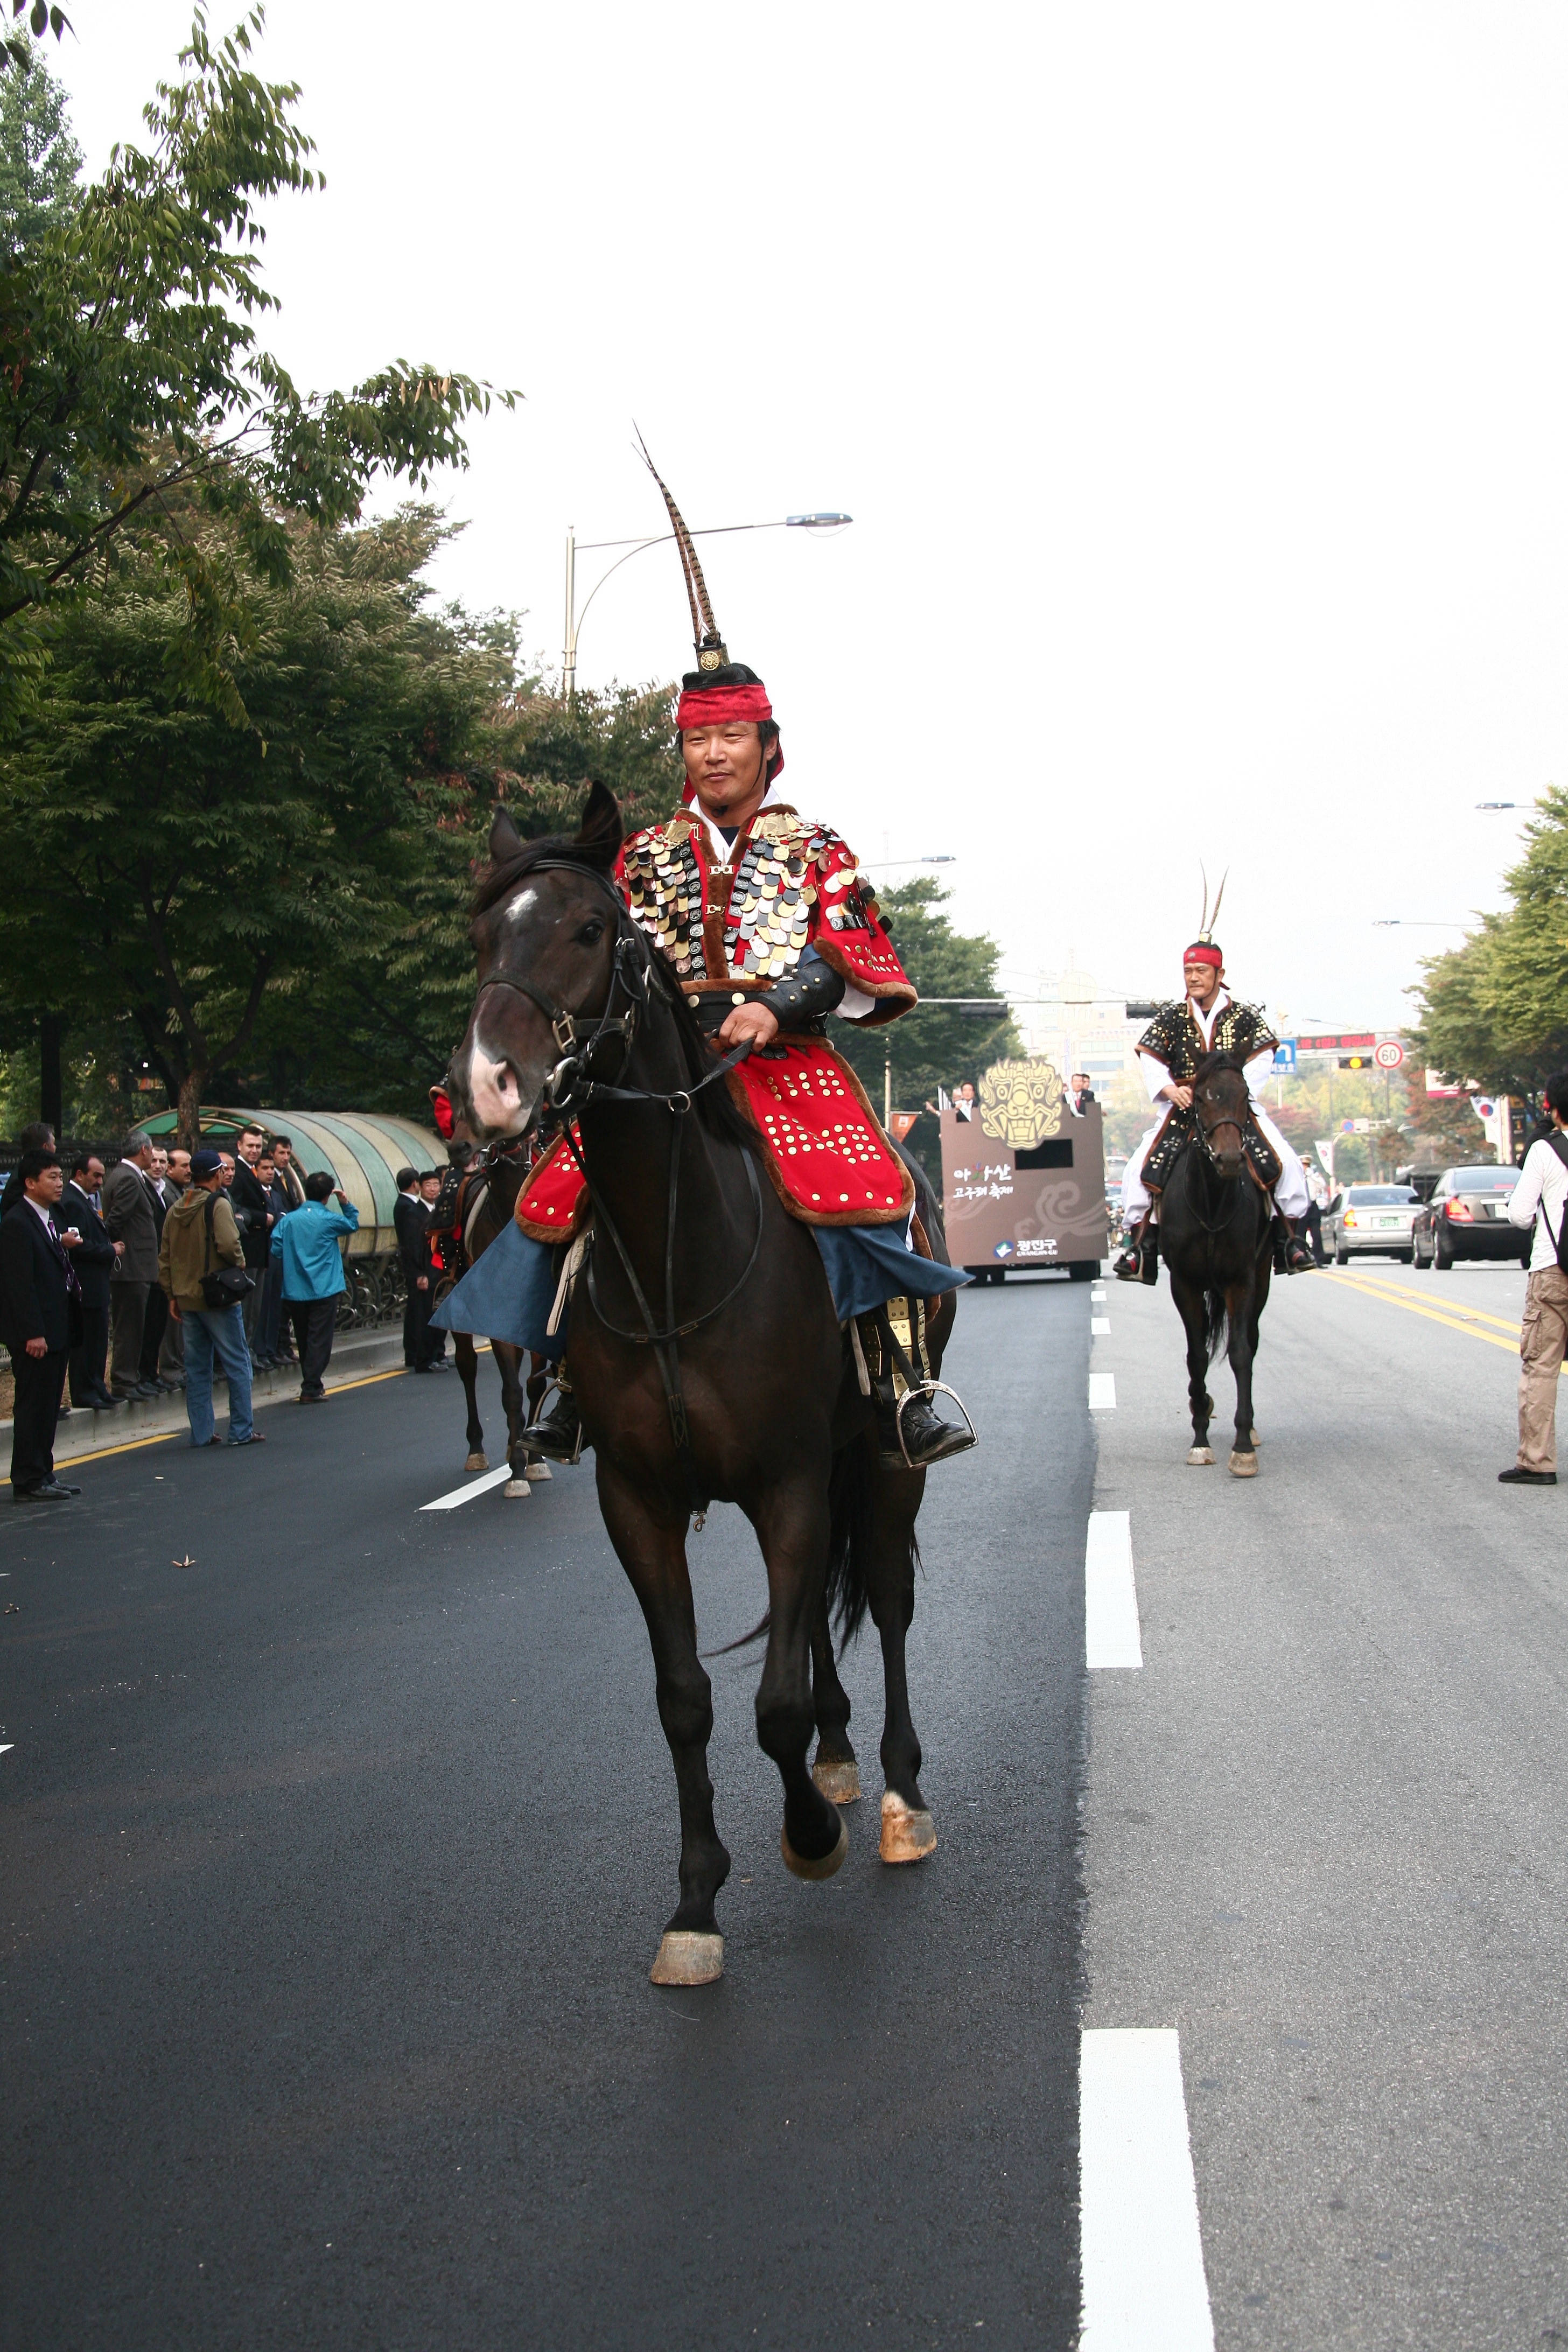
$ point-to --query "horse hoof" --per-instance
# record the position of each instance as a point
(907, 1836)
(475, 1461)
(538, 1470)
(829, 1864)
(687, 1958)
(1199, 1457)
(840, 1783)
(1244, 1466)
(515, 1486)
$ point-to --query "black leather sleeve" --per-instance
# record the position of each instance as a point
(804, 995)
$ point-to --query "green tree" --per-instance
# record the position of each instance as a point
(40, 162)
(194, 870)
(134, 390)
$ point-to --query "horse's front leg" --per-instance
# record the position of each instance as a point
(792, 1525)
(1189, 1298)
(1243, 1340)
(467, 1365)
(651, 1547)
(509, 1363)
(834, 1767)
(909, 1833)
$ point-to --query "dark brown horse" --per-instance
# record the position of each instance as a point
(1214, 1234)
(749, 1394)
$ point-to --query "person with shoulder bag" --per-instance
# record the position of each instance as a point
(1541, 1198)
(201, 1265)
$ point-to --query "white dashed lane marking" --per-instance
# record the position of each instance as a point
(1102, 1391)
(466, 1493)
(1110, 1634)
(1143, 2283)
(1099, 1325)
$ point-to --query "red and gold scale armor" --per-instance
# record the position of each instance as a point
(737, 930)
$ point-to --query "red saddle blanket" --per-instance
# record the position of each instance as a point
(830, 1160)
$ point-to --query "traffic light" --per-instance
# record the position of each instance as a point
(1357, 1062)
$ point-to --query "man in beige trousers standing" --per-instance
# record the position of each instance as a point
(1540, 1197)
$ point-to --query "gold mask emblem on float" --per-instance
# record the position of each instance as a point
(1019, 1102)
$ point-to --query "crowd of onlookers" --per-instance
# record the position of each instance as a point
(175, 1268)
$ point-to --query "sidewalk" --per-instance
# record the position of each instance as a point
(358, 1356)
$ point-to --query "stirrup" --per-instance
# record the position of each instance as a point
(927, 1389)
(558, 1435)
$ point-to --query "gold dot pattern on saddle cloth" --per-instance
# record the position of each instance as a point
(815, 1139)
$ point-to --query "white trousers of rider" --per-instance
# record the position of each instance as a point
(1290, 1194)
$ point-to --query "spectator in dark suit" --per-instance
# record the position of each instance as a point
(436, 1255)
(155, 1323)
(37, 1136)
(288, 1169)
(131, 1213)
(94, 1257)
(40, 1318)
(411, 1218)
(248, 1199)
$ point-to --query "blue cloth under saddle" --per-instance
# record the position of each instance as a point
(508, 1292)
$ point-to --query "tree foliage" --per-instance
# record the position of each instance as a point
(1494, 1013)
(40, 162)
(136, 397)
(187, 867)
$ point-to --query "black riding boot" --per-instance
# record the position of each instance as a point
(559, 1432)
(926, 1438)
(1292, 1254)
(1139, 1261)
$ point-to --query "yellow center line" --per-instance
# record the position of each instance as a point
(1413, 1306)
(1469, 1314)
(131, 1446)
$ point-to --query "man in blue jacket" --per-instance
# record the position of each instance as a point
(306, 1241)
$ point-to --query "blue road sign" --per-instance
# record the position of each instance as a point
(1285, 1057)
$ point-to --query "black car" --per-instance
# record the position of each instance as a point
(1468, 1217)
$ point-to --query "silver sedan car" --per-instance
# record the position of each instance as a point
(1370, 1220)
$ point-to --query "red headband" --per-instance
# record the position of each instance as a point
(1204, 952)
(709, 706)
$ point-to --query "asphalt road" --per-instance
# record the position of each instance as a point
(1327, 1820)
(336, 1858)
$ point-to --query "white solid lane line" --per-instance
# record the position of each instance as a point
(5, 1750)
(1102, 1392)
(1143, 2283)
(1110, 1635)
(465, 1494)
(1099, 1325)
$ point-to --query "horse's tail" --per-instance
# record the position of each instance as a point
(1217, 1322)
(851, 1497)
(849, 1540)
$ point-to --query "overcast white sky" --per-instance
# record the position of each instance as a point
(1195, 376)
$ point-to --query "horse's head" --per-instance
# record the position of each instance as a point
(545, 936)
(1220, 1100)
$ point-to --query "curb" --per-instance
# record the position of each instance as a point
(355, 1359)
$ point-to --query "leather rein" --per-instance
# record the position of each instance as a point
(572, 1088)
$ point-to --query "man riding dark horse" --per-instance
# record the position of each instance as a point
(1206, 1021)
(770, 927)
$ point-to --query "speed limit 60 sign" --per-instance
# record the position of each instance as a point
(1389, 1055)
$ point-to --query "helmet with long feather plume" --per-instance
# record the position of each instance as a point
(718, 688)
(1202, 948)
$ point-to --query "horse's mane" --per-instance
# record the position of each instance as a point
(714, 1105)
(1213, 1064)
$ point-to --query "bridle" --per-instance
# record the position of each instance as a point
(1204, 1138)
(572, 1088)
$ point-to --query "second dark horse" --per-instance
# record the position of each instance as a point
(777, 1423)
(1215, 1220)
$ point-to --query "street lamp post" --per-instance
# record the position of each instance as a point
(824, 522)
